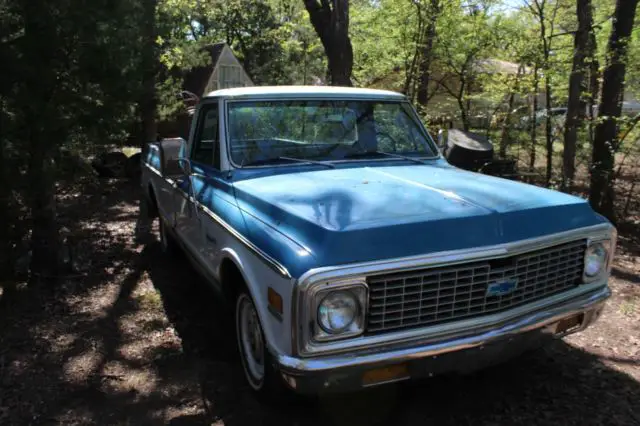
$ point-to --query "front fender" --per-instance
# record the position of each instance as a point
(258, 277)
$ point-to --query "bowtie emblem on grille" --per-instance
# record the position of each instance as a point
(502, 287)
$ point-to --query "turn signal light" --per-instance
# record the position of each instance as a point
(275, 300)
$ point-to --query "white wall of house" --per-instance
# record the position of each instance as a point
(228, 72)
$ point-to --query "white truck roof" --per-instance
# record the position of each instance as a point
(261, 92)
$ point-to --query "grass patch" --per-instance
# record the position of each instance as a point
(150, 300)
(628, 307)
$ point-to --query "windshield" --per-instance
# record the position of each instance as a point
(273, 131)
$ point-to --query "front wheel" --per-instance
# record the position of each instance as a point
(256, 360)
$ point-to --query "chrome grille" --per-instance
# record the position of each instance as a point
(443, 294)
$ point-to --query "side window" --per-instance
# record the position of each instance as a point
(396, 130)
(206, 149)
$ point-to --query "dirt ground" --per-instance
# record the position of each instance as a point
(136, 338)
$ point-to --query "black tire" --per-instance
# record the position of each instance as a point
(268, 385)
(149, 205)
(167, 242)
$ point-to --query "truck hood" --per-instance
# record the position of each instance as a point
(348, 215)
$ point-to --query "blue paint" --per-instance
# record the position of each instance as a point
(310, 216)
(216, 191)
(357, 214)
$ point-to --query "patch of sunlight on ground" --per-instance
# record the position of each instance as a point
(77, 369)
(121, 378)
(158, 343)
(102, 300)
(63, 342)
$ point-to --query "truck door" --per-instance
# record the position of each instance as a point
(193, 217)
(166, 193)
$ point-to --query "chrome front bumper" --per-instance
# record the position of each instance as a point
(346, 372)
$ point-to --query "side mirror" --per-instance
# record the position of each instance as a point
(442, 139)
(172, 151)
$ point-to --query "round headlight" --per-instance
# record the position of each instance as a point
(337, 311)
(595, 260)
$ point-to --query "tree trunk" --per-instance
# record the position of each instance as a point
(464, 115)
(504, 134)
(548, 128)
(6, 220)
(409, 74)
(594, 85)
(148, 100)
(504, 137)
(605, 145)
(534, 112)
(340, 58)
(546, 50)
(45, 239)
(331, 22)
(424, 72)
(44, 132)
(575, 106)
(410, 67)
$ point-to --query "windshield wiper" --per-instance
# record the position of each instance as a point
(388, 154)
(279, 159)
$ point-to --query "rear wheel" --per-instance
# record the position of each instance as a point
(150, 204)
(167, 243)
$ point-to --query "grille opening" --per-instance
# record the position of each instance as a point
(437, 295)
(501, 263)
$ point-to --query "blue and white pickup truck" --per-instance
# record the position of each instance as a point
(354, 254)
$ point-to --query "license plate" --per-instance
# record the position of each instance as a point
(385, 374)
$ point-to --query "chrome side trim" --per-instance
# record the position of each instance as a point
(274, 264)
(157, 172)
(304, 346)
(153, 169)
(451, 257)
(450, 329)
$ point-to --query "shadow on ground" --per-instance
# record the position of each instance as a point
(138, 338)
(558, 384)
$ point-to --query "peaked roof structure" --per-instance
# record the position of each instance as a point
(196, 79)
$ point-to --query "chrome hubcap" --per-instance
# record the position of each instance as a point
(250, 339)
